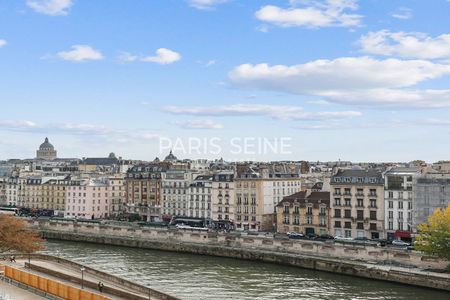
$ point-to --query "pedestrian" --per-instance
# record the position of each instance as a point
(100, 286)
(13, 258)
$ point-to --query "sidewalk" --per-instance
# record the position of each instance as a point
(76, 273)
(11, 292)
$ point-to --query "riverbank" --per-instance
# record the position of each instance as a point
(73, 275)
(304, 254)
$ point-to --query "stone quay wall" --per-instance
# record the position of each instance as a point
(358, 260)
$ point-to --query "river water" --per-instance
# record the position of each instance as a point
(203, 277)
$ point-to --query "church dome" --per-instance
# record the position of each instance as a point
(46, 145)
(171, 157)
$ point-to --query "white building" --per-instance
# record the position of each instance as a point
(200, 197)
(398, 201)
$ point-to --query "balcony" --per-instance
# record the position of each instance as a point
(373, 195)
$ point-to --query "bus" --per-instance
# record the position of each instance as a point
(9, 210)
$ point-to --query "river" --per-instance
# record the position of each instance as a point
(203, 277)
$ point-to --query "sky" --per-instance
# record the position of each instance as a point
(365, 80)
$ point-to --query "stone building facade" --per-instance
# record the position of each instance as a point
(303, 213)
(357, 204)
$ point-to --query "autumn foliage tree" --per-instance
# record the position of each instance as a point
(15, 236)
(434, 236)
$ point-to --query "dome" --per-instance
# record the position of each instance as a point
(46, 145)
(170, 157)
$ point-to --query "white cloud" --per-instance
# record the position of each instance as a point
(402, 13)
(2, 43)
(352, 81)
(325, 13)
(395, 98)
(341, 73)
(80, 53)
(81, 129)
(205, 4)
(283, 112)
(17, 124)
(50, 7)
(406, 44)
(163, 56)
(198, 124)
(127, 57)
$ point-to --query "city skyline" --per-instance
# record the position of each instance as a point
(343, 79)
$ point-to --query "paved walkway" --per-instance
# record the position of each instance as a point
(76, 273)
(11, 292)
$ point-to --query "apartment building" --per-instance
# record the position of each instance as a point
(116, 184)
(398, 202)
(431, 191)
(33, 192)
(303, 213)
(223, 201)
(175, 192)
(200, 198)
(143, 191)
(357, 203)
(87, 199)
(259, 188)
(53, 194)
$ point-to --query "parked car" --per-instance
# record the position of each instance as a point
(400, 243)
(341, 238)
(324, 238)
(295, 235)
(380, 242)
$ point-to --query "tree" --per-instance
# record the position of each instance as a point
(15, 236)
(434, 236)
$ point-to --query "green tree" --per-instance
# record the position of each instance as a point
(434, 236)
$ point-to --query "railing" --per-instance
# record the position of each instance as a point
(49, 286)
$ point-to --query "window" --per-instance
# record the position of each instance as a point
(296, 222)
(360, 215)
(348, 202)
(348, 213)
(286, 209)
(391, 226)
(309, 220)
(337, 201)
(373, 203)
(337, 213)
(360, 202)
(360, 225)
(337, 191)
(296, 210)
(409, 205)
(348, 224)
(400, 204)
(391, 195)
(373, 226)
(348, 233)
(286, 219)
(390, 214)
(391, 204)
(337, 224)
(373, 214)
(309, 211)
(347, 191)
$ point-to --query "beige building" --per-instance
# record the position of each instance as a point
(303, 213)
(116, 190)
(53, 194)
(33, 192)
(357, 204)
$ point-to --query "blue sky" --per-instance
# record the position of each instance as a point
(342, 79)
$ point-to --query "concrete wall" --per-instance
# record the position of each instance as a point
(136, 234)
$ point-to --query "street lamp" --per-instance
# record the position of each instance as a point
(82, 277)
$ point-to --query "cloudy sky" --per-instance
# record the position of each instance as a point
(338, 79)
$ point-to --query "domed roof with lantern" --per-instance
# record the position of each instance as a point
(46, 145)
(170, 157)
